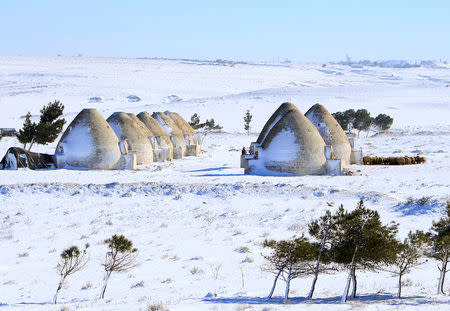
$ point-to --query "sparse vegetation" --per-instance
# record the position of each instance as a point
(196, 270)
(209, 125)
(362, 121)
(121, 257)
(157, 307)
(354, 241)
(71, 261)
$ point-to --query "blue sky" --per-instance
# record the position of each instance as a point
(302, 31)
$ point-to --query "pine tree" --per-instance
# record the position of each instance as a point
(439, 239)
(28, 132)
(408, 254)
(247, 120)
(71, 260)
(195, 122)
(48, 128)
(121, 257)
(362, 242)
(362, 120)
(211, 125)
(345, 119)
(289, 260)
(383, 122)
(323, 230)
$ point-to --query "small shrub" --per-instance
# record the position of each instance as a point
(423, 201)
(71, 261)
(196, 270)
(243, 249)
(157, 307)
(138, 285)
(120, 257)
(87, 286)
(248, 259)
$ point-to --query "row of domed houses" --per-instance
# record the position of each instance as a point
(289, 143)
(297, 144)
(124, 140)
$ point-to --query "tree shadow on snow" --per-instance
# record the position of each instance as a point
(367, 299)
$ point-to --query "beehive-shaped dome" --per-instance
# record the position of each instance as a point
(185, 127)
(292, 144)
(158, 131)
(276, 116)
(89, 142)
(175, 133)
(135, 133)
(331, 132)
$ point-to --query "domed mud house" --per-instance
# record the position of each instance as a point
(90, 143)
(181, 138)
(136, 135)
(162, 145)
(291, 144)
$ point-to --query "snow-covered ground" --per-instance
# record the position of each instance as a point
(192, 217)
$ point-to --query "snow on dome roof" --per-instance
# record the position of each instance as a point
(135, 133)
(167, 123)
(293, 144)
(180, 122)
(176, 135)
(331, 132)
(141, 124)
(276, 116)
(152, 124)
(157, 130)
(89, 142)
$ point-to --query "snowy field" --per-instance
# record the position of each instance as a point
(198, 222)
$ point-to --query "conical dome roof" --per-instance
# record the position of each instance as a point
(167, 123)
(141, 124)
(276, 116)
(331, 132)
(180, 122)
(152, 124)
(89, 142)
(293, 145)
(135, 133)
(162, 137)
(175, 133)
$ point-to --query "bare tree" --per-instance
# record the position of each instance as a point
(121, 257)
(71, 260)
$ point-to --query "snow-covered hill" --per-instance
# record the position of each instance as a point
(193, 217)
